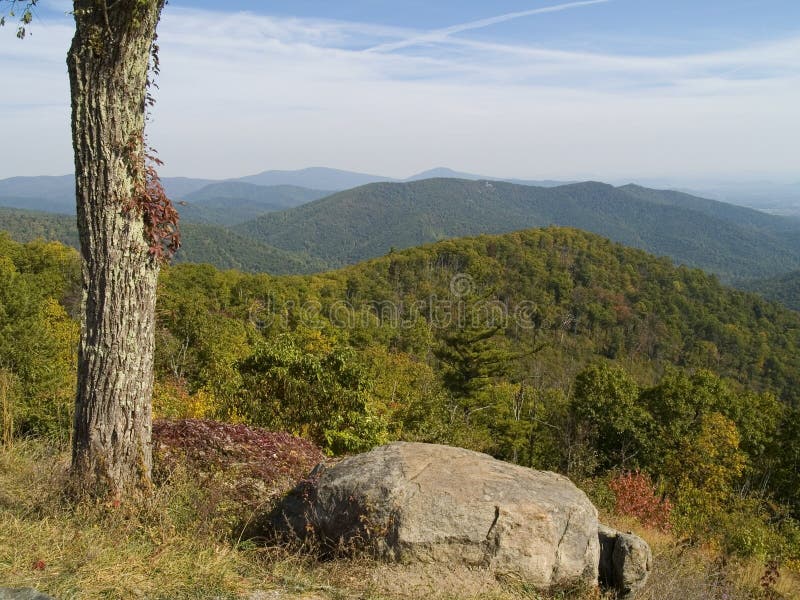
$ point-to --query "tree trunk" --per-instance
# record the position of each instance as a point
(108, 69)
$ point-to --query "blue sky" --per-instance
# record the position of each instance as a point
(675, 90)
(696, 24)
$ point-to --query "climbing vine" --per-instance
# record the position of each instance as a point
(151, 201)
(149, 197)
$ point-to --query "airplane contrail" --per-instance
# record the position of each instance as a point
(439, 35)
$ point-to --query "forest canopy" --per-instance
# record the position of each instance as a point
(551, 348)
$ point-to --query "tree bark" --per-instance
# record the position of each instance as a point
(108, 68)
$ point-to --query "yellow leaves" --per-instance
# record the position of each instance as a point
(315, 341)
(706, 466)
(63, 329)
(719, 460)
(7, 392)
(202, 405)
(171, 400)
(7, 267)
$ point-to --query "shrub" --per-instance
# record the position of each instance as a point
(320, 392)
(635, 495)
(248, 467)
(172, 400)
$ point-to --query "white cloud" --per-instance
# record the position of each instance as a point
(243, 93)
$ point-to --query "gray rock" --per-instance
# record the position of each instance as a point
(625, 562)
(22, 594)
(432, 503)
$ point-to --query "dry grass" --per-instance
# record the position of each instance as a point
(90, 550)
(179, 545)
(681, 572)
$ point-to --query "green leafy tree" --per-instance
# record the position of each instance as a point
(312, 389)
(37, 338)
(409, 394)
(680, 400)
(472, 357)
(702, 472)
(606, 404)
(785, 454)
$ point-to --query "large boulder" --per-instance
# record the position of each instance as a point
(426, 502)
(625, 562)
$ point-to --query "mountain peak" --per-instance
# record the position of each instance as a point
(444, 172)
(318, 178)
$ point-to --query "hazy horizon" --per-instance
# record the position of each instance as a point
(672, 183)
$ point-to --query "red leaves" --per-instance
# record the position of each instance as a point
(160, 217)
(636, 496)
(769, 580)
(150, 200)
(39, 565)
(275, 460)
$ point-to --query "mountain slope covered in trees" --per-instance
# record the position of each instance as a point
(733, 242)
(370, 220)
(231, 202)
(225, 249)
(28, 225)
(201, 243)
(551, 348)
(783, 288)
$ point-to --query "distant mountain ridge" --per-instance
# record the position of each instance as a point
(368, 221)
(45, 193)
(197, 200)
(445, 173)
(345, 227)
(317, 178)
(56, 194)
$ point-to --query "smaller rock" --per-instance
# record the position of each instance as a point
(625, 562)
(22, 594)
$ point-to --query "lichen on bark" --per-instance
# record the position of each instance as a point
(109, 64)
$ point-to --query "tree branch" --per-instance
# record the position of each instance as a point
(24, 19)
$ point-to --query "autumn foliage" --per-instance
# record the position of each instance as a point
(255, 464)
(635, 495)
(158, 212)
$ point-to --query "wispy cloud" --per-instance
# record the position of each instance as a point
(768, 61)
(288, 93)
(440, 35)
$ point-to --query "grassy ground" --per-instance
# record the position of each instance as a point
(182, 544)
